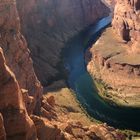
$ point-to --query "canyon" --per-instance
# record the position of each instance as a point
(48, 25)
(35, 102)
(115, 63)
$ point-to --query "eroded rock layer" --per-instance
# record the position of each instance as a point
(49, 24)
(17, 54)
(116, 70)
(126, 19)
(20, 91)
(54, 122)
(115, 62)
(17, 123)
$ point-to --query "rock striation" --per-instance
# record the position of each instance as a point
(62, 127)
(17, 123)
(48, 25)
(24, 113)
(126, 19)
(115, 62)
(17, 54)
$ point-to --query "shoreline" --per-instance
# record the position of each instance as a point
(66, 98)
(109, 98)
(84, 109)
(83, 115)
(109, 63)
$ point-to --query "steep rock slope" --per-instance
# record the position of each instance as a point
(17, 54)
(17, 123)
(115, 62)
(126, 19)
(48, 25)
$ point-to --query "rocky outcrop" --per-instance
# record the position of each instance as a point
(126, 19)
(115, 62)
(47, 130)
(16, 52)
(74, 130)
(116, 70)
(20, 91)
(17, 123)
(62, 127)
(48, 25)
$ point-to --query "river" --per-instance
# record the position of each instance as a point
(81, 82)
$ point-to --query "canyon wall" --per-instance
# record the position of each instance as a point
(115, 62)
(53, 124)
(49, 24)
(17, 54)
(126, 19)
(21, 93)
(17, 123)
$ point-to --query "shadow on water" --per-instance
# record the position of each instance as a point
(81, 82)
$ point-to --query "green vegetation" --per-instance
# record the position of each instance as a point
(103, 92)
(66, 102)
(110, 95)
(84, 109)
(131, 135)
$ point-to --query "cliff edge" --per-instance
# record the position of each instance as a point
(24, 113)
(115, 62)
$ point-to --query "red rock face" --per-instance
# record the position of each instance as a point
(16, 52)
(20, 91)
(110, 2)
(17, 123)
(116, 68)
(126, 19)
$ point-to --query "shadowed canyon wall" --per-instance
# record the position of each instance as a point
(49, 24)
(24, 113)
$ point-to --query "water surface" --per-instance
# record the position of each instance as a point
(81, 82)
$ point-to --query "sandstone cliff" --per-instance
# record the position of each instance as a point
(49, 24)
(17, 123)
(126, 19)
(17, 54)
(115, 62)
(21, 92)
(53, 124)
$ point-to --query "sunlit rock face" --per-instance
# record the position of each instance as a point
(49, 24)
(126, 19)
(16, 123)
(20, 91)
(115, 57)
(17, 54)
